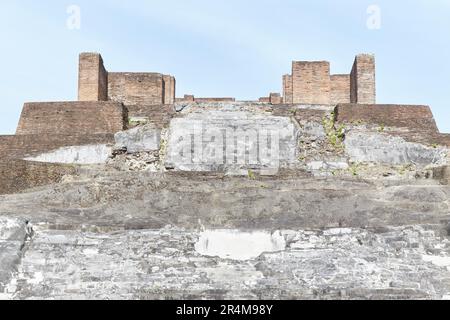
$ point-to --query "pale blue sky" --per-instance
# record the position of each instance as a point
(224, 48)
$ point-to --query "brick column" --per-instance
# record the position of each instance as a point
(362, 83)
(92, 78)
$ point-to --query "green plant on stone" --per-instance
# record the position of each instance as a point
(354, 169)
(335, 136)
(251, 175)
(381, 128)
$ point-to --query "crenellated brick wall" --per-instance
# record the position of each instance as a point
(311, 83)
(72, 118)
(96, 84)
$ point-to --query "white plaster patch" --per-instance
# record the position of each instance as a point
(89, 154)
(438, 261)
(237, 245)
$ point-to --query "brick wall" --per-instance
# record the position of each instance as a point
(311, 82)
(416, 118)
(275, 98)
(362, 80)
(192, 98)
(287, 89)
(72, 118)
(169, 89)
(158, 115)
(219, 99)
(19, 175)
(300, 114)
(188, 98)
(92, 78)
(21, 146)
(96, 84)
(136, 88)
(340, 89)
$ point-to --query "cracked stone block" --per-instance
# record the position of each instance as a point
(382, 148)
(140, 139)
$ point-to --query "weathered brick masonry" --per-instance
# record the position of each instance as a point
(192, 98)
(18, 175)
(92, 78)
(299, 113)
(413, 123)
(406, 116)
(107, 101)
(340, 88)
(275, 98)
(311, 83)
(169, 89)
(288, 95)
(362, 80)
(136, 88)
(96, 84)
(21, 146)
(158, 115)
(72, 118)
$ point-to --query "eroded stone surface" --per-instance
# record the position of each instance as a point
(12, 239)
(140, 139)
(355, 222)
(226, 140)
(399, 263)
(383, 148)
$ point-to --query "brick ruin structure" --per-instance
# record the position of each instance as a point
(311, 83)
(107, 101)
